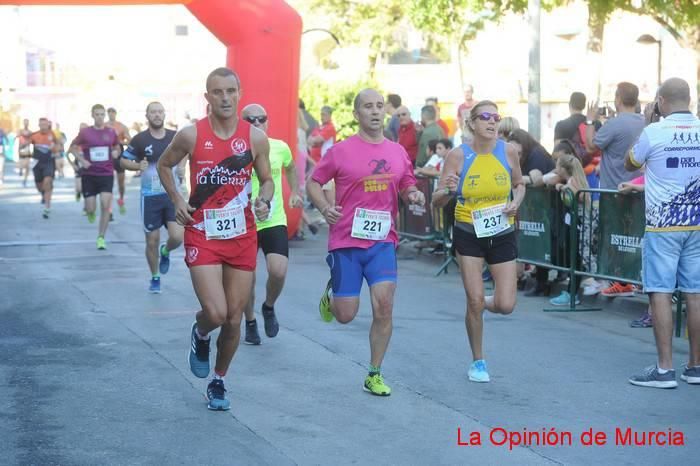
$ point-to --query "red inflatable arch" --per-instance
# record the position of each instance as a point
(263, 40)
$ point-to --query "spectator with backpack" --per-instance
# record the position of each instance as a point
(573, 128)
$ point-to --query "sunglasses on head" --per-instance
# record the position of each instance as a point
(486, 116)
(256, 119)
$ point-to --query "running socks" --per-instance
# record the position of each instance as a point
(374, 370)
(164, 250)
(265, 307)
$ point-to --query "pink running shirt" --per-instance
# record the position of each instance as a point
(369, 176)
(97, 145)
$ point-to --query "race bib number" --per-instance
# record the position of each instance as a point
(490, 221)
(371, 224)
(224, 223)
(99, 154)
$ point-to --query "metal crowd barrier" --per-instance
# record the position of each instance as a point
(594, 233)
(425, 223)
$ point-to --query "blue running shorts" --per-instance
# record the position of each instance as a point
(350, 265)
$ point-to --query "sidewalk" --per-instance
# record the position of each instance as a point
(94, 368)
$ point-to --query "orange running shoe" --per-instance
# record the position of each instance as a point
(618, 289)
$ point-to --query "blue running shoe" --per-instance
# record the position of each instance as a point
(478, 371)
(155, 285)
(272, 327)
(486, 276)
(164, 264)
(216, 394)
(199, 355)
(564, 299)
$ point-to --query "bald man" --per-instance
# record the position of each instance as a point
(370, 172)
(670, 151)
(408, 134)
(272, 232)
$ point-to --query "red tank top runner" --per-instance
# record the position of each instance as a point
(220, 171)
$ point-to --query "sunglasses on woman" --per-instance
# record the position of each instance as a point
(256, 119)
(486, 116)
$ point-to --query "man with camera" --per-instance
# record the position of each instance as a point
(614, 139)
(616, 136)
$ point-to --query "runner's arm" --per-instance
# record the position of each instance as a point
(449, 178)
(517, 179)
(77, 151)
(295, 199)
(181, 145)
(323, 173)
(23, 142)
(131, 159)
(132, 165)
(261, 164)
(261, 151)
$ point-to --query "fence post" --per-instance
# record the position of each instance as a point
(573, 201)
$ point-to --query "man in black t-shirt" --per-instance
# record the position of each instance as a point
(157, 210)
(566, 129)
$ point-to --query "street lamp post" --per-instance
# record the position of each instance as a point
(534, 94)
(648, 39)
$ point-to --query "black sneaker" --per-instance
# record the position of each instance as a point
(691, 375)
(540, 289)
(651, 378)
(199, 354)
(252, 337)
(216, 394)
(272, 327)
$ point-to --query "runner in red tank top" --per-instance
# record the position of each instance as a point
(220, 236)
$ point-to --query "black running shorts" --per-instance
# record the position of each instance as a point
(94, 185)
(495, 249)
(274, 240)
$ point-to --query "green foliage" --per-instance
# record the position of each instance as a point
(460, 20)
(443, 22)
(339, 95)
(369, 23)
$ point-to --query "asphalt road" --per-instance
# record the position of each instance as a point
(93, 368)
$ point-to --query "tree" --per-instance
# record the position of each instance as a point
(373, 23)
(368, 23)
(338, 95)
(459, 21)
(681, 18)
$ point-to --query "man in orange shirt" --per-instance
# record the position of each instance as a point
(43, 142)
(124, 139)
(323, 136)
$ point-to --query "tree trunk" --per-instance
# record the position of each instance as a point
(596, 26)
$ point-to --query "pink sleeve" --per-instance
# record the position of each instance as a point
(325, 169)
(639, 180)
(408, 178)
(78, 139)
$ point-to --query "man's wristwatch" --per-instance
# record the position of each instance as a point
(267, 203)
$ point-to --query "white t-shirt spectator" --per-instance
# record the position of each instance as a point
(435, 162)
(671, 151)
